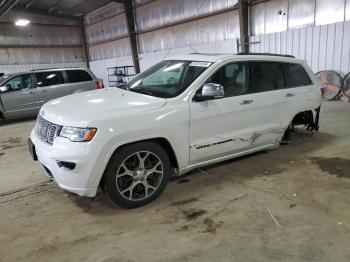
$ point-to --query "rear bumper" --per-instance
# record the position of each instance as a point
(80, 180)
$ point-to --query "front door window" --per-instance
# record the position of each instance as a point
(19, 83)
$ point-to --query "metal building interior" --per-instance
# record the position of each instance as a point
(287, 204)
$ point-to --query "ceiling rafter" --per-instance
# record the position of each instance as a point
(30, 3)
(79, 6)
(42, 12)
(55, 6)
(58, 8)
(7, 7)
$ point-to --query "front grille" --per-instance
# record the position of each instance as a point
(46, 130)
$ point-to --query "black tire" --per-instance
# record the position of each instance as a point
(123, 156)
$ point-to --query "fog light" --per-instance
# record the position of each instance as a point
(67, 165)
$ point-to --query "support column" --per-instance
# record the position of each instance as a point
(85, 46)
(132, 34)
(243, 25)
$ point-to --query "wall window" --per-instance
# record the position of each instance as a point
(233, 77)
(75, 76)
(49, 78)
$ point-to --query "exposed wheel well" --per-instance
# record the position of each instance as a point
(303, 118)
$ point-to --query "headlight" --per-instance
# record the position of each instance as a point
(76, 134)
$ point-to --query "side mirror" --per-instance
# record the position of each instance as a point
(210, 91)
(3, 89)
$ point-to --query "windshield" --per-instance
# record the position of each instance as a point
(3, 78)
(168, 78)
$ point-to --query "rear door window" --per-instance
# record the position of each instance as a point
(295, 75)
(265, 76)
(49, 78)
(75, 76)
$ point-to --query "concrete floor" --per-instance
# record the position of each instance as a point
(289, 204)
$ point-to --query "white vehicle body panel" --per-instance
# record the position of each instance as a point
(199, 133)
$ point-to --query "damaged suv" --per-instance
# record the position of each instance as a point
(180, 114)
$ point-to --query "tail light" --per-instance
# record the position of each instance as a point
(323, 90)
(99, 84)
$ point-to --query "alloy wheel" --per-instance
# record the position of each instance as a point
(139, 175)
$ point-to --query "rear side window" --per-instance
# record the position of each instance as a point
(75, 76)
(295, 75)
(265, 76)
(49, 78)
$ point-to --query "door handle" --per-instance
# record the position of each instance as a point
(246, 102)
(290, 94)
(41, 91)
(32, 92)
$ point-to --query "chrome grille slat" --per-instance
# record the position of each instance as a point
(46, 130)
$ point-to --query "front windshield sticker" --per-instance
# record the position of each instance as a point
(200, 64)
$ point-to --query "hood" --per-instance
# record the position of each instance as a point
(81, 109)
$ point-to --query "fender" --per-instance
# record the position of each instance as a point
(125, 142)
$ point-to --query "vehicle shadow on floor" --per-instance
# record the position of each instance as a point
(239, 170)
(17, 121)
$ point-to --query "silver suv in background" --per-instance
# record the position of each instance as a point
(22, 94)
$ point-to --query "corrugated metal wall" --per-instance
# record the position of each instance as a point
(22, 56)
(107, 30)
(163, 12)
(35, 34)
(27, 67)
(325, 47)
(192, 34)
(46, 42)
(216, 33)
(281, 15)
(281, 26)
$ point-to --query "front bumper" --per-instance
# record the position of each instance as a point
(81, 180)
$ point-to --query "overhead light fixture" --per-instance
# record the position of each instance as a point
(22, 22)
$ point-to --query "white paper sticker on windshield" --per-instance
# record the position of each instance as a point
(201, 64)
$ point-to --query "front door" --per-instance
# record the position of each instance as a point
(218, 127)
(21, 98)
(248, 117)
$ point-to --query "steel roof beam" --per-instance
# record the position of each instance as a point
(7, 7)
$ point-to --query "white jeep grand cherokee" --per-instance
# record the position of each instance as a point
(178, 115)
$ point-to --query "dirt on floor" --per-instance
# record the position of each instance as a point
(287, 204)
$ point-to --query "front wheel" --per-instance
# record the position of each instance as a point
(137, 174)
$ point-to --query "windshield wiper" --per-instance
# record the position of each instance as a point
(123, 86)
(141, 91)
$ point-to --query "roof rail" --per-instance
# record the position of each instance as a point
(52, 68)
(266, 54)
(210, 54)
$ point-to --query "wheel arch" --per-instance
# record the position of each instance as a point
(305, 111)
(162, 141)
(2, 116)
